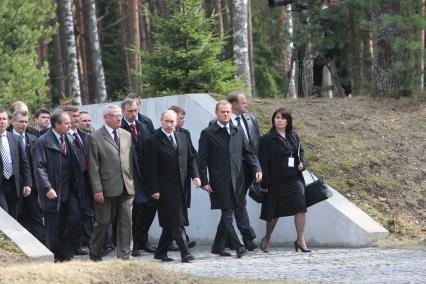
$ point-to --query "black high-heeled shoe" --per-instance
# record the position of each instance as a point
(297, 247)
(265, 249)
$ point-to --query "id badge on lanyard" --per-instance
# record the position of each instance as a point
(291, 162)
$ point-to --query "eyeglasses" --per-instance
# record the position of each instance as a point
(115, 115)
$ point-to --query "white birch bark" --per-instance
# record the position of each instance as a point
(291, 93)
(72, 51)
(95, 51)
(240, 42)
(326, 90)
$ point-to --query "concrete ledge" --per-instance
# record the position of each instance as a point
(32, 248)
(332, 223)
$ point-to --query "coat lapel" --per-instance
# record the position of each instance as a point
(108, 138)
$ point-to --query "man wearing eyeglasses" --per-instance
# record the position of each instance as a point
(110, 174)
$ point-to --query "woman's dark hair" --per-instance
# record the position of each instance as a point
(287, 115)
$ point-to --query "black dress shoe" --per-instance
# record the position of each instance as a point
(241, 252)
(136, 252)
(148, 248)
(172, 247)
(220, 252)
(188, 258)
(79, 251)
(249, 244)
(191, 244)
(162, 257)
(95, 258)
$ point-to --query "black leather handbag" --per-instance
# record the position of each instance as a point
(316, 191)
(256, 193)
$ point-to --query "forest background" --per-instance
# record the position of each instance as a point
(88, 51)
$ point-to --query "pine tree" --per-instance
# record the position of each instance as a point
(187, 54)
(23, 25)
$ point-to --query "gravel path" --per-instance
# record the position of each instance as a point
(364, 265)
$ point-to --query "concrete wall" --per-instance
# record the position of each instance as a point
(335, 222)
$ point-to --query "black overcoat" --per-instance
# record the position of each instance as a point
(48, 163)
(166, 174)
(222, 154)
(271, 154)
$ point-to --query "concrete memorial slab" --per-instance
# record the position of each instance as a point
(335, 222)
(30, 246)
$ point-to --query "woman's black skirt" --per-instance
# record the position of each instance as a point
(291, 197)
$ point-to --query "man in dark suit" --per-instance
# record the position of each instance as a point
(21, 106)
(147, 209)
(170, 160)
(15, 175)
(85, 122)
(181, 113)
(58, 179)
(140, 133)
(241, 118)
(85, 192)
(111, 178)
(222, 147)
(30, 216)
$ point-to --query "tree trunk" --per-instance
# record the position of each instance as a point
(72, 51)
(289, 51)
(327, 83)
(250, 46)
(240, 43)
(356, 58)
(421, 59)
(95, 50)
(218, 11)
(82, 51)
(134, 43)
(145, 26)
(124, 37)
(227, 16)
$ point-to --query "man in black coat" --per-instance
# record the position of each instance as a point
(30, 216)
(170, 160)
(181, 113)
(241, 118)
(21, 106)
(15, 175)
(140, 133)
(85, 196)
(147, 209)
(222, 148)
(58, 179)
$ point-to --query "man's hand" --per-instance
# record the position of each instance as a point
(99, 197)
(208, 188)
(258, 176)
(156, 196)
(300, 167)
(26, 191)
(51, 194)
(197, 182)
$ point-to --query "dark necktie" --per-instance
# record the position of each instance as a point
(238, 119)
(116, 139)
(82, 152)
(172, 142)
(64, 145)
(134, 132)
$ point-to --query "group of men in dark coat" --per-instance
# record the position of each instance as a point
(123, 173)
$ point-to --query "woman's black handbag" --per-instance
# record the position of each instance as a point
(256, 193)
(316, 191)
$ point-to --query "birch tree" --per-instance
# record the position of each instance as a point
(95, 50)
(240, 43)
(72, 51)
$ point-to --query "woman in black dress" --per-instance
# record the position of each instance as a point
(282, 162)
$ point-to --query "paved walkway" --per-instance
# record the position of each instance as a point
(364, 265)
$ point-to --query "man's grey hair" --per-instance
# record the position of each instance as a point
(127, 101)
(108, 108)
(19, 112)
